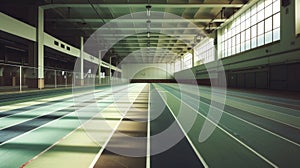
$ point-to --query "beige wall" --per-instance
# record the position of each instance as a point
(146, 71)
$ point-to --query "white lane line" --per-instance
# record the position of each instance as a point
(62, 105)
(288, 101)
(47, 149)
(268, 131)
(67, 105)
(235, 99)
(135, 94)
(148, 131)
(185, 134)
(274, 99)
(233, 137)
(37, 103)
(19, 136)
(96, 158)
(80, 126)
(261, 115)
(48, 123)
(63, 138)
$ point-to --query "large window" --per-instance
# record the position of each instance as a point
(205, 52)
(257, 26)
(177, 65)
(187, 61)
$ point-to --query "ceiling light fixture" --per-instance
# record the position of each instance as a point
(148, 34)
(148, 8)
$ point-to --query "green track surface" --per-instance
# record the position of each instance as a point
(220, 150)
(79, 149)
(23, 148)
(218, 146)
(248, 133)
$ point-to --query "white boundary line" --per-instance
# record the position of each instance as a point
(35, 129)
(60, 140)
(110, 136)
(105, 144)
(39, 115)
(41, 126)
(69, 100)
(148, 131)
(268, 131)
(47, 149)
(233, 137)
(234, 100)
(185, 134)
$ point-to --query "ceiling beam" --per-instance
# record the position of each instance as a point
(162, 20)
(127, 5)
(137, 29)
(175, 36)
(153, 47)
(147, 43)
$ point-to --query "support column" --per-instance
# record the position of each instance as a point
(193, 58)
(81, 61)
(20, 78)
(110, 69)
(99, 66)
(174, 68)
(181, 64)
(40, 47)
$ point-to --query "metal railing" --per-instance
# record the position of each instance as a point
(18, 78)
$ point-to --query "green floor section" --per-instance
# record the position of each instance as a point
(250, 133)
(220, 149)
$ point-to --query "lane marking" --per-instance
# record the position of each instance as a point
(263, 116)
(268, 131)
(235, 99)
(135, 94)
(148, 131)
(233, 137)
(69, 99)
(41, 126)
(47, 149)
(37, 116)
(79, 127)
(185, 134)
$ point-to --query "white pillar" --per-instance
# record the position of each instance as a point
(20, 78)
(40, 47)
(181, 64)
(173, 68)
(55, 80)
(193, 57)
(81, 61)
(99, 66)
(110, 69)
(167, 70)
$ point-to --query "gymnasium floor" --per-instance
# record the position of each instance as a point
(113, 128)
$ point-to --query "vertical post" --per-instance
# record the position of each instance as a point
(193, 58)
(74, 79)
(40, 47)
(181, 64)
(174, 68)
(81, 61)
(55, 83)
(167, 69)
(99, 66)
(66, 79)
(109, 69)
(20, 78)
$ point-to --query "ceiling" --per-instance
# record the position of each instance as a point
(121, 26)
